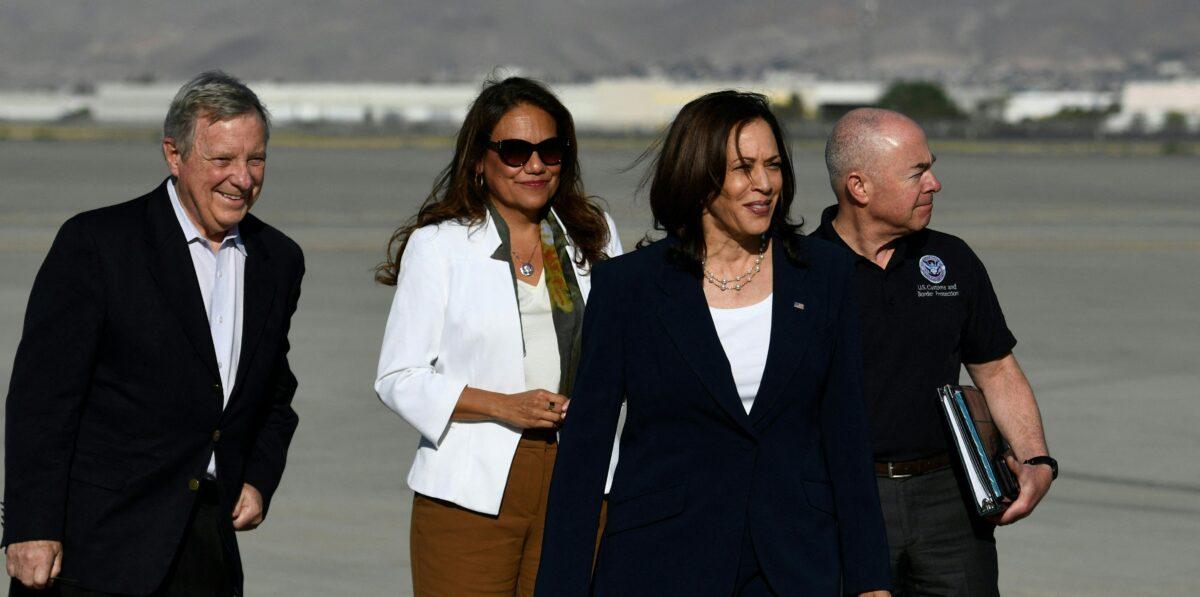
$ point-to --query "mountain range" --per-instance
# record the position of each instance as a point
(66, 42)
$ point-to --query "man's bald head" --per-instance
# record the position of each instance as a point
(858, 140)
(881, 170)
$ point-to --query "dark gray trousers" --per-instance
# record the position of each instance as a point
(938, 545)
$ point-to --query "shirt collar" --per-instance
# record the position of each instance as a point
(189, 229)
(503, 251)
(826, 231)
(829, 233)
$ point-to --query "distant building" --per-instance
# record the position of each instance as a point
(606, 105)
(647, 104)
(367, 103)
(632, 104)
(831, 99)
(131, 103)
(1036, 105)
(1146, 105)
(40, 106)
(977, 100)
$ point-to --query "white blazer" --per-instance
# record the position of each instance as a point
(454, 322)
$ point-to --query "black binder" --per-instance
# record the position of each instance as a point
(980, 448)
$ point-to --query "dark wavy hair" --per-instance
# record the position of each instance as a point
(456, 195)
(689, 171)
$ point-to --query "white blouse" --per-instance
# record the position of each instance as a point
(542, 362)
(745, 334)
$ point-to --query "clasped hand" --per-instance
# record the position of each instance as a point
(533, 409)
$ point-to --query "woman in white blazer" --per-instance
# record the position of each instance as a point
(483, 337)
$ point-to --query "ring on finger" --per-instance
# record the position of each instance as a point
(550, 406)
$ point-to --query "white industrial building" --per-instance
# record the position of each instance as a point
(1036, 105)
(39, 106)
(1147, 104)
(607, 105)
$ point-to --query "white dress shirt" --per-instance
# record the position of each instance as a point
(221, 274)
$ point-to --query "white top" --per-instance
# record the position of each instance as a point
(454, 320)
(745, 334)
(221, 275)
(542, 370)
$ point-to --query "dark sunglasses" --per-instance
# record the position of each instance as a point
(515, 152)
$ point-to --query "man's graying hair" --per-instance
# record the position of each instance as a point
(214, 95)
(855, 143)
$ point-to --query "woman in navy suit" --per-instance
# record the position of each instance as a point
(744, 466)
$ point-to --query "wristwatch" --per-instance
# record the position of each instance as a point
(1046, 460)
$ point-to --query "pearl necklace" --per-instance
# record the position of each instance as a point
(736, 284)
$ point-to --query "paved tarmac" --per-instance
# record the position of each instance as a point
(1096, 261)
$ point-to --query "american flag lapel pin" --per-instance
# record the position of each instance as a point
(798, 306)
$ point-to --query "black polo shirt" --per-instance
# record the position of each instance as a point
(930, 310)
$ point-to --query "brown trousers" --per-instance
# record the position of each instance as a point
(458, 552)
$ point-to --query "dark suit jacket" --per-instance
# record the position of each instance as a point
(115, 401)
(694, 468)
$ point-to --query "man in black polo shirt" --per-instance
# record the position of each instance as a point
(927, 308)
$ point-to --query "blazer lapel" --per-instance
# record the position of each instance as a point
(789, 331)
(171, 267)
(684, 313)
(258, 296)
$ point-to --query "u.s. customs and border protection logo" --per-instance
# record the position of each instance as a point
(933, 269)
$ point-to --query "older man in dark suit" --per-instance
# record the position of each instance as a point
(149, 413)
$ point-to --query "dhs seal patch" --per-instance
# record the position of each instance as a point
(933, 269)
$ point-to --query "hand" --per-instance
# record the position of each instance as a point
(876, 594)
(1034, 481)
(248, 511)
(535, 409)
(35, 563)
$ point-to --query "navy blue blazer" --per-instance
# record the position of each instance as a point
(695, 469)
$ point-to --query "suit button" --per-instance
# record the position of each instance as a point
(217, 436)
(194, 484)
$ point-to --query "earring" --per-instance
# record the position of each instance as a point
(479, 179)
